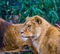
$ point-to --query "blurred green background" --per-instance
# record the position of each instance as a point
(15, 11)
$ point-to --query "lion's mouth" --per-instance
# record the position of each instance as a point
(28, 36)
(24, 38)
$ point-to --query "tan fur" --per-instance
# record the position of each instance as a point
(10, 37)
(44, 36)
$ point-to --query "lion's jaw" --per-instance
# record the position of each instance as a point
(37, 33)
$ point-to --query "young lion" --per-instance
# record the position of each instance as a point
(10, 38)
(44, 36)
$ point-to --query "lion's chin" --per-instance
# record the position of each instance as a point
(24, 38)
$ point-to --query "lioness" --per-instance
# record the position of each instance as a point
(10, 38)
(44, 36)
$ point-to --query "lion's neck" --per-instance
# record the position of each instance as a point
(37, 42)
(45, 26)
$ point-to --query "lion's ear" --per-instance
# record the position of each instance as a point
(38, 20)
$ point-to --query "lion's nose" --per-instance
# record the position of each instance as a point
(22, 32)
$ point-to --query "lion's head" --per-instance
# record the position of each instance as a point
(33, 27)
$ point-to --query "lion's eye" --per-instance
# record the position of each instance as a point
(29, 25)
